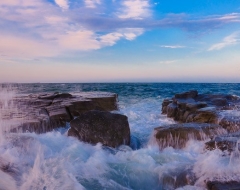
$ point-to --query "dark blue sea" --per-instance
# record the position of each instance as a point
(53, 161)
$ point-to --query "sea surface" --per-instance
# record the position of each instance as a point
(53, 161)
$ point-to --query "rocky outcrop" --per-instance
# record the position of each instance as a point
(177, 135)
(204, 108)
(227, 142)
(44, 112)
(110, 129)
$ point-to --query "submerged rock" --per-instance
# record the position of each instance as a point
(177, 135)
(110, 129)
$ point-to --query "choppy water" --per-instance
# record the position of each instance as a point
(54, 161)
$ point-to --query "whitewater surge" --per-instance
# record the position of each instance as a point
(55, 161)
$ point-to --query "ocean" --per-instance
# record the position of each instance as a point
(54, 161)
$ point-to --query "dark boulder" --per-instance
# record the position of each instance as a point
(110, 129)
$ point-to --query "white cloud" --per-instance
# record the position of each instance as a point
(227, 41)
(110, 39)
(79, 40)
(62, 3)
(136, 9)
(92, 3)
(132, 33)
(172, 46)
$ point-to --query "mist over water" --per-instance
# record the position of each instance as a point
(54, 161)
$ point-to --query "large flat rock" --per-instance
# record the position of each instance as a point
(46, 111)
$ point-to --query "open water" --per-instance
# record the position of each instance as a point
(53, 161)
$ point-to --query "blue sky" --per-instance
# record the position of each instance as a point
(120, 41)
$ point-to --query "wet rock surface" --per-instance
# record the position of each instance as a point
(41, 113)
(201, 117)
(177, 135)
(204, 108)
(227, 142)
(177, 179)
(230, 185)
(110, 129)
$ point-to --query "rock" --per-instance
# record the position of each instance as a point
(78, 106)
(177, 135)
(110, 129)
(203, 115)
(204, 108)
(58, 113)
(175, 179)
(227, 142)
(195, 105)
(230, 120)
(186, 95)
(48, 96)
(229, 185)
(44, 112)
(171, 110)
(223, 143)
(103, 101)
(165, 103)
(219, 101)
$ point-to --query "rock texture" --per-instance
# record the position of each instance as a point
(227, 142)
(43, 112)
(110, 129)
(177, 135)
(204, 108)
(230, 185)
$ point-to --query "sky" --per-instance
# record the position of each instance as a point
(119, 41)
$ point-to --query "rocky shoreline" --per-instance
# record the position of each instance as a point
(41, 113)
(214, 119)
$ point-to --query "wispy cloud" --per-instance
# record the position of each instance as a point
(136, 9)
(92, 3)
(230, 40)
(172, 46)
(62, 3)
